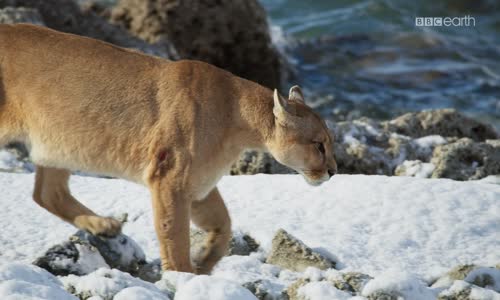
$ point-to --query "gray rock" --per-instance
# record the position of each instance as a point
(463, 294)
(461, 290)
(231, 34)
(457, 273)
(72, 257)
(120, 252)
(85, 253)
(382, 295)
(293, 289)
(466, 160)
(460, 272)
(150, 272)
(485, 277)
(290, 253)
(260, 288)
(11, 15)
(444, 122)
(254, 162)
(356, 281)
(240, 244)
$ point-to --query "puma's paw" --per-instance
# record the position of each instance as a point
(102, 226)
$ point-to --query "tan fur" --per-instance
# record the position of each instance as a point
(176, 127)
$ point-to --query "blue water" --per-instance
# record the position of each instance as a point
(367, 57)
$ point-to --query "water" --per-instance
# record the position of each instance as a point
(367, 57)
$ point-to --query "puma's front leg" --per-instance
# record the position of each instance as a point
(171, 210)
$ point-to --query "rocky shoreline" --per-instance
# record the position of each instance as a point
(121, 261)
(430, 144)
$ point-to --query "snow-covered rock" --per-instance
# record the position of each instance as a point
(461, 290)
(394, 285)
(105, 283)
(21, 281)
(291, 253)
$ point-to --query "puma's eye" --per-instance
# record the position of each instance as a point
(321, 147)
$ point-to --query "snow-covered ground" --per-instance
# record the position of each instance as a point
(377, 225)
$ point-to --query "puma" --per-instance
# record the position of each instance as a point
(175, 127)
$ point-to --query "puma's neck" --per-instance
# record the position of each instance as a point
(254, 114)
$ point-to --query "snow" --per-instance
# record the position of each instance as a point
(430, 141)
(489, 276)
(9, 162)
(402, 283)
(476, 292)
(139, 293)
(88, 261)
(401, 230)
(322, 290)
(20, 281)
(418, 169)
(211, 288)
(104, 282)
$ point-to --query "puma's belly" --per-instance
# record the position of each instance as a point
(80, 158)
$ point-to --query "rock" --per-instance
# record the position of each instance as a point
(240, 244)
(72, 257)
(66, 16)
(443, 122)
(120, 252)
(254, 162)
(356, 281)
(85, 253)
(383, 295)
(104, 283)
(293, 290)
(461, 290)
(231, 34)
(457, 273)
(290, 253)
(150, 272)
(466, 160)
(415, 168)
(11, 15)
(260, 289)
(485, 277)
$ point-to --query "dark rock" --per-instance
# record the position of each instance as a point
(11, 15)
(444, 122)
(382, 295)
(120, 252)
(290, 253)
(72, 257)
(66, 16)
(466, 160)
(356, 280)
(240, 244)
(231, 34)
(85, 253)
(254, 162)
(150, 272)
(260, 288)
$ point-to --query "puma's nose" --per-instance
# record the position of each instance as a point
(332, 172)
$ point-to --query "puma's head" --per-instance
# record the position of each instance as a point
(301, 139)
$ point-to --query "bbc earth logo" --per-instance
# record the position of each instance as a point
(465, 21)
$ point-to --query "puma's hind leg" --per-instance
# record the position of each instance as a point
(52, 193)
(211, 215)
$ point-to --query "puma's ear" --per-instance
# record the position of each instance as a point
(295, 94)
(283, 110)
(281, 106)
